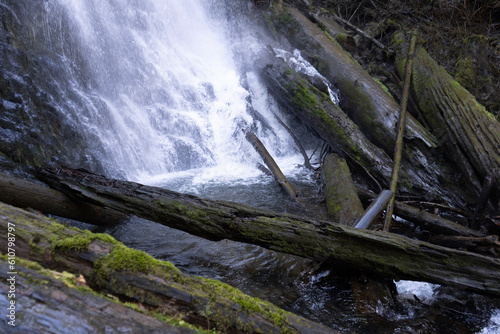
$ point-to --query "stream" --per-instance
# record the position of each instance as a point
(159, 92)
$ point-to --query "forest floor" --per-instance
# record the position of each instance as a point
(463, 36)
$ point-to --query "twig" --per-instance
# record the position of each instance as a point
(401, 126)
(359, 31)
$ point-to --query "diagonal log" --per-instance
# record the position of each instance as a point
(377, 252)
(365, 100)
(318, 112)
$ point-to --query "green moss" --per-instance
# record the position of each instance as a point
(80, 242)
(384, 87)
(285, 18)
(123, 258)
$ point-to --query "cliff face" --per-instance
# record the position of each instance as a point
(35, 89)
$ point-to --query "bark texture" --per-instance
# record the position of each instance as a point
(386, 254)
(469, 133)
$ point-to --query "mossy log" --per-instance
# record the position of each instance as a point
(69, 308)
(371, 294)
(342, 201)
(364, 99)
(315, 109)
(132, 275)
(385, 254)
(470, 135)
(371, 107)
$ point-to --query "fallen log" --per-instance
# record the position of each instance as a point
(342, 201)
(129, 274)
(26, 194)
(467, 132)
(385, 254)
(365, 100)
(372, 295)
(374, 110)
(283, 182)
(315, 109)
(70, 309)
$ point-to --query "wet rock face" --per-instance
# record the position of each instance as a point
(32, 129)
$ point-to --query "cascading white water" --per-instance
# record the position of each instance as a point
(166, 92)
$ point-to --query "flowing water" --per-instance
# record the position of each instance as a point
(161, 92)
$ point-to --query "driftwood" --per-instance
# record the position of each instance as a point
(376, 252)
(468, 133)
(109, 266)
(283, 182)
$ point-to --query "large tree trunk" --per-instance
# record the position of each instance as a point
(470, 135)
(382, 253)
(110, 267)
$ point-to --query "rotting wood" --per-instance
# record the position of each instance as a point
(386, 254)
(109, 266)
(398, 151)
(283, 182)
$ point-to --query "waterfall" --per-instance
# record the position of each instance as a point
(157, 86)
